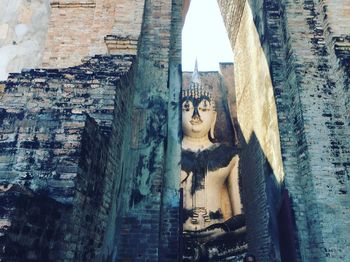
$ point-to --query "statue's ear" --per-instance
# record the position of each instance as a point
(212, 128)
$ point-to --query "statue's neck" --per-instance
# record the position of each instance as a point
(196, 143)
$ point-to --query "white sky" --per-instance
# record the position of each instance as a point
(204, 36)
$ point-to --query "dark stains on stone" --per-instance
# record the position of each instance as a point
(187, 213)
(35, 216)
(199, 163)
(6, 145)
(156, 120)
(135, 198)
(31, 144)
(2, 115)
(235, 222)
(52, 144)
(140, 165)
(152, 163)
(10, 116)
(216, 215)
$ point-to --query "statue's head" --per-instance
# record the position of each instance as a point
(198, 112)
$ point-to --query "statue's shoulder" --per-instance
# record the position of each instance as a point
(217, 150)
(212, 158)
(224, 149)
(222, 154)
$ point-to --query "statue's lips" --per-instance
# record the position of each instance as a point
(196, 122)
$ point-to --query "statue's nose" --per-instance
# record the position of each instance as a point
(195, 114)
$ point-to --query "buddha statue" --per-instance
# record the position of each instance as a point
(213, 223)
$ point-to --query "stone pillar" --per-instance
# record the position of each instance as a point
(145, 165)
(169, 238)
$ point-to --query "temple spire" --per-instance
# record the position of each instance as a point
(195, 75)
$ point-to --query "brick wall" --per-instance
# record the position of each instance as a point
(69, 34)
(54, 158)
(309, 77)
(325, 149)
(78, 28)
(128, 19)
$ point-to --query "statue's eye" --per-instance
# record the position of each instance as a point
(204, 106)
(186, 106)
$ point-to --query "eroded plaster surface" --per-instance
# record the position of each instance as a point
(23, 27)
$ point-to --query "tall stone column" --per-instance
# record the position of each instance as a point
(169, 231)
(151, 147)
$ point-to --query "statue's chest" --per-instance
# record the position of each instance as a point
(204, 177)
(207, 165)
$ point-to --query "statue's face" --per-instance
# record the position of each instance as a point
(198, 116)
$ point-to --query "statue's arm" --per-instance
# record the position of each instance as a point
(233, 188)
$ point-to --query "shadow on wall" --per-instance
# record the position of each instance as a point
(31, 224)
(260, 190)
(265, 205)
